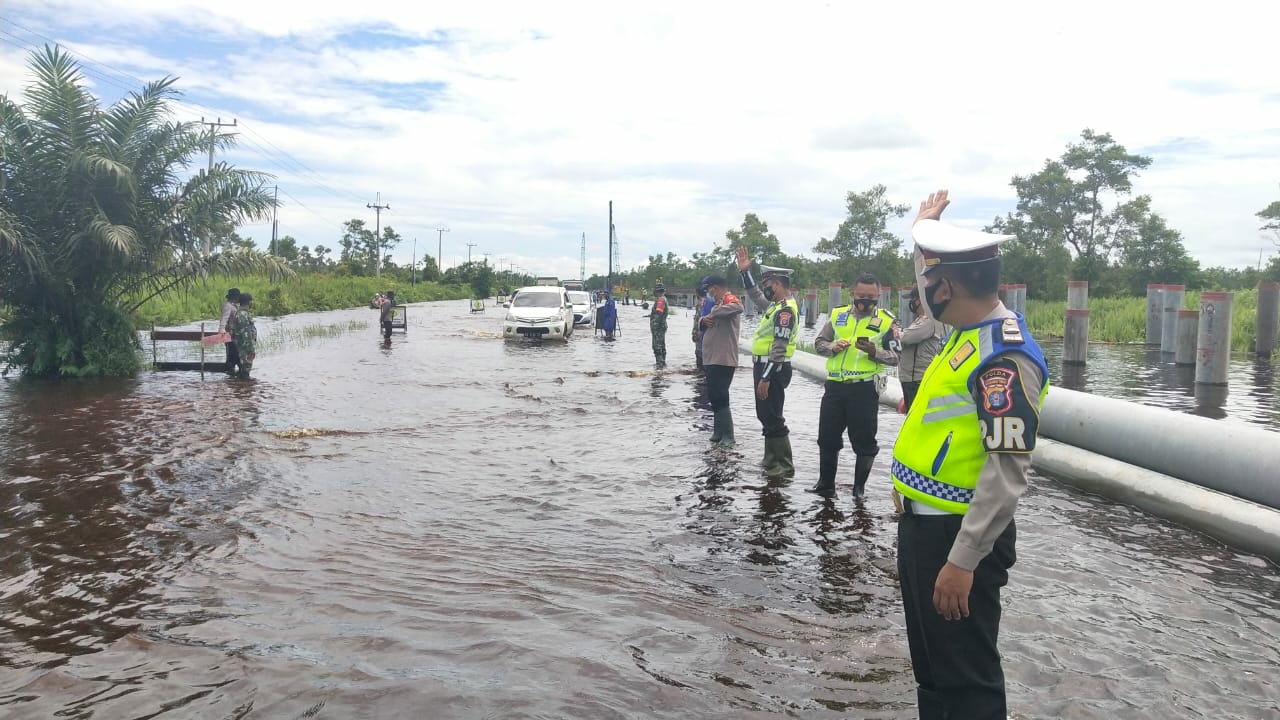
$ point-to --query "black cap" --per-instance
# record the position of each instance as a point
(233, 293)
(245, 297)
(710, 280)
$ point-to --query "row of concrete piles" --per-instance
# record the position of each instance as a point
(1191, 337)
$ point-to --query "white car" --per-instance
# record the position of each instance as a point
(584, 312)
(541, 312)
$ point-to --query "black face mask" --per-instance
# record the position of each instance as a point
(865, 305)
(768, 292)
(936, 308)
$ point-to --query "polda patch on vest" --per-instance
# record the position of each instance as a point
(961, 354)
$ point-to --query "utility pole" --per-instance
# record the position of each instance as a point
(213, 126)
(378, 207)
(469, 246)
(275, 219)
(582, 267)
(440, 231)
(609, 286)
(414, 263)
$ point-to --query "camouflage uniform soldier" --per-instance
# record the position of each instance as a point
(658, 324)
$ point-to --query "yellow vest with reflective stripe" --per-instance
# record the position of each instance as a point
(851, 363)
(763, 341)
(939, 452)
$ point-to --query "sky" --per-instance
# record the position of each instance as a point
(514, 124)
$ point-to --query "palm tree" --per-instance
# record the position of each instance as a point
(99, 212)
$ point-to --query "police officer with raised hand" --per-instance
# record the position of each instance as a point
(859, 340)
(771, 349)
(959, 466)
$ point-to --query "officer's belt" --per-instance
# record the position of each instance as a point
(915, 507)
(851, 382)
(765, 359)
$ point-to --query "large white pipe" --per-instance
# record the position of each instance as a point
(1235, 458)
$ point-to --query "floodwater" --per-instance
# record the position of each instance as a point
(458, 527)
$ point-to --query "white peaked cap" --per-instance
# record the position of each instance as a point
(944, 244)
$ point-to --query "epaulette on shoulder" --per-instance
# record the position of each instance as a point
(891, 315)
(1011, 332)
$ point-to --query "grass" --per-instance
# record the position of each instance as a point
(307, 293)
(1124, 320)
(305, 335)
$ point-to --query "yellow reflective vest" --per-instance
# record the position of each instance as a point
(851, 363)
(939, 453)
(763, 342)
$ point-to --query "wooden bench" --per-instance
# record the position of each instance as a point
(196, 336)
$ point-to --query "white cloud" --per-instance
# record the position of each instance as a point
(689, 115)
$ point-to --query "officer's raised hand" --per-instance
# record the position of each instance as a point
(931, 207)
(744, 261)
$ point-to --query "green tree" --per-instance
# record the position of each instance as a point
(1155, 253)
(754, 235)
(1270, 217)
(96, 218)
(863, 243)
(1081, 200)
(286, 248)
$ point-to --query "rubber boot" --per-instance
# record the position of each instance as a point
(717, 426)
(777, 457)
(861, 471)
(828, 461)
(725, 422)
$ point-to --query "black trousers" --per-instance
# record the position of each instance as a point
(386, 329)
(956, 662)
(233, 357)
(909, 390)
(719, 378)
(852, 408)
(769, 410)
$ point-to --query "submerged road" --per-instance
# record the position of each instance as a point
(458, 527)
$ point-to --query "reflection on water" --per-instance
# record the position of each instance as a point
(492, 529)
(1138, 374)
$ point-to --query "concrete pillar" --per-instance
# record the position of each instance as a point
(1173, 299)
(835, 297)
(1022, 298)
(811, 307)
(886, 297)
(1075, 337)
(1188, 330)
(1268, 313)
(1006, 296)
(748, 307)
(1213, 342)
(1155, 312)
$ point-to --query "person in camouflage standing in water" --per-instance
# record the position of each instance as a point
(245, 334)
(658, 324)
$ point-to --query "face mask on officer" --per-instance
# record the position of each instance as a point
(938, 306)
(865, 305)
(768, 291)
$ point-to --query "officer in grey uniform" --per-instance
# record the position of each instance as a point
(960, 464)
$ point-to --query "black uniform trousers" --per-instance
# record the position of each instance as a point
(386, 329)
(719, 378)
(956, 662)
(853, 408)
(769, 410)
(909, 390)
(233, 357)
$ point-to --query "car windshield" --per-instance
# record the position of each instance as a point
(537, 300)
(579, 298)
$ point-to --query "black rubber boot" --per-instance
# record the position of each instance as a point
(828, 460)
(717, 430)
(861, 471)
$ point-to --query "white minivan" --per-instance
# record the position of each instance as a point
(538, 312)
